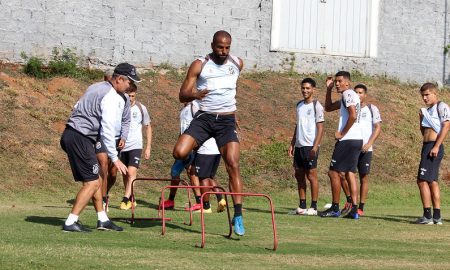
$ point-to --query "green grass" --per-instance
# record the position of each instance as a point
(30, 227)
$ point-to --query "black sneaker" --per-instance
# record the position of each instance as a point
(329, 213)
(107, 226)
(76, 227)
(352, 215)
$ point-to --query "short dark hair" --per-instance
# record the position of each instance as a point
(310, 81)
(220, 34)
(344, 74)
(362, 86)
(428, 86)
(132, 88)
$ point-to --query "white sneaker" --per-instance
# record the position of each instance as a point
(311, 212)
(298, 211)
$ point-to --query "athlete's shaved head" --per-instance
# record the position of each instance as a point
(362, 86)
(219, 35)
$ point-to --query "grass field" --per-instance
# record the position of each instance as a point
(31, 237)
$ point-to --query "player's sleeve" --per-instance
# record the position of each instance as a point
(107, 131)
(444, 112)
(126, 119)
(320, 116)
(147, 119)
(350, 98)
(376, 116)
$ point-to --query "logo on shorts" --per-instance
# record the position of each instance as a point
(332, 162)
(95, 169)
(136, 160)
(98, 145)
(197, 169)
(423, 171)
(367, 164)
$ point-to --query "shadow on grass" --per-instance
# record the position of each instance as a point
(54, 221)
(266, 211)
(395, 218)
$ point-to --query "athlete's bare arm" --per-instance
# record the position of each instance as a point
(188, 92)
(329, 104)
(440, 139)
(292, 145)
(376, 132)
(317, 141)
(351, 119)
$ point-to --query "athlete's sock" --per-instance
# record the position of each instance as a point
(206, 205)
(354, 209)
(105, 199)
(171, 197)
(436, 213)
(238, 210)
(302, 204)
(125, 199)
(71, 219)
(349, 199)
(361, 206)
(102, 216)
(335, 207)
(314, 205)
(427, 212)
(219, 197)
(197, 199)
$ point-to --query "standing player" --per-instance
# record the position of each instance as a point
(131, 153)
(212, 81)
(348, 142)
(434, 126)
(305, 145)
(100, 109)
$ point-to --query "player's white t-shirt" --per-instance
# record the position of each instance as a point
(433, 119)
(134, 140)
(209, 148)
(220, 80)
(187, 115)
(369, 117)
(307, 117)
(350, 98)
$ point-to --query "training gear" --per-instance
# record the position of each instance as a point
(424, 221)
(360, 212)
(311, 212)
(77, 227)
(195, 207)
(221, 205)
(238, 224)
(108, 226)
(329, 213)
(168, 204)
(437, 221)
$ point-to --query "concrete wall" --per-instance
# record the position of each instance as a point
(151, 32)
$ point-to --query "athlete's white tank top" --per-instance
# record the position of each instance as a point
(220, 80)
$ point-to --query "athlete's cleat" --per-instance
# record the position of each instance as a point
(437, 221)
(168, 204)
(195, 207)
(311, 212)
(205, 211)
(221, 205)
(108, 226)
(125, 205)
(360, 212)
(329, 213)
(424, 221)
(347, 208)
(238, 224)
(76, 227)
(352, 215)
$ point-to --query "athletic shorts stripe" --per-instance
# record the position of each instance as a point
(429, 167)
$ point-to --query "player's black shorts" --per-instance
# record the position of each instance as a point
(81, 154)
(100, 146)
(206, 125)
(131, 158)
(345, 155)
(301, 158)
(429, 167)
(364, 162)
(206, 165)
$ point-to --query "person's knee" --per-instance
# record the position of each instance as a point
(93, 185)
(178, 153)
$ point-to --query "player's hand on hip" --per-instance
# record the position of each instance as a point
(121, 167)
(200, 94)
(121, 144)
(434, 152)
(338, 135)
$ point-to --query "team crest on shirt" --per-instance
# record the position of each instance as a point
(95, 169)
(363, 115)
(135, 114)
(309, 112)
(231, 70)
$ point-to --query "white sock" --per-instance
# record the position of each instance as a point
(102, 216)
(71, 219)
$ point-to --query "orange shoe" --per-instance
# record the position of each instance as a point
(360, 212)
(195, 207)
(168, 204)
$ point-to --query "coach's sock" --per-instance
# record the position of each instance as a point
(219, 197)
(427, 212)
(102, 216)
(171, 197)
(314, 205)
(197, 199)
(238, 210)
(206, 205)
(125, 199)
(349, 199)
(335, 207)
(302, 204)
(71, 219)
(361, 206)
(436, 213)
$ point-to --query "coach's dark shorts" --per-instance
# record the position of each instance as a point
(131, 158)
(345, 155)
(81, 154)
(301, 158)
(364, 162)
(101, 148)
(429, 167)
(206, 165)
(206, 125)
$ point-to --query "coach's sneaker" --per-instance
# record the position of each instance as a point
(76, 227)
(311, 212)
(360, 212)
(195, 207)
(238, 224)
(108, 226)
(437, 221)
(125, 205)
(168, 204)
(424, 221)
(221, 205)
(329, 213)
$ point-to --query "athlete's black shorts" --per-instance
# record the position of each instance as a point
(364, 162)
(100, 146)
(206, 125)
(301, 158)
(429, 167)
(345, 155)
(206, 165)
(81, 154)
(131, 158)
